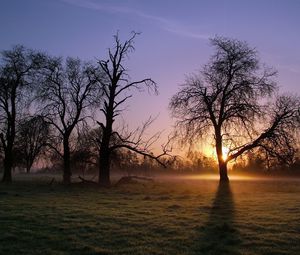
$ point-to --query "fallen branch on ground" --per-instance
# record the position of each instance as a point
(86, 181)
(132, 179)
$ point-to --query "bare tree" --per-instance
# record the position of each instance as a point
(67, 95)
(17, 73)
(31, 140)
(229, 99)
(117, 88)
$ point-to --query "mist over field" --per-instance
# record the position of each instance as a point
(178, 216)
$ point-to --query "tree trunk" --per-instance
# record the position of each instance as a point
(221, 161)
(67, 166)
(105, 153)
(223, 171)
(28, 166)
(8, 162)
(104, 168)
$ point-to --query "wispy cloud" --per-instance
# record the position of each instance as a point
(290, 68)
(165, 24)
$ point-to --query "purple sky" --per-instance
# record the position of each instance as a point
(174, 40)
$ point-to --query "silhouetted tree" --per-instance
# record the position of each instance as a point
(31, 140)
(17, 74)
(117, 87)
(229, 98)
(67, 95)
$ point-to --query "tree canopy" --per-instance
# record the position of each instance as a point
(234, 100)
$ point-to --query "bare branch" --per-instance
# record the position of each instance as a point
(228, 98)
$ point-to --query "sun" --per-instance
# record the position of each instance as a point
(225, 152)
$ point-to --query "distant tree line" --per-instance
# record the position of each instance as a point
(65, 111)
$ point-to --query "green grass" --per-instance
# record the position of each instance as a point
(164, 217)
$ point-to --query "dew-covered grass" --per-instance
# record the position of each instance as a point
(161, 217)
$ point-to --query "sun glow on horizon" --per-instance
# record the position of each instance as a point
(216, 177)
(225, 152)
(210, 151)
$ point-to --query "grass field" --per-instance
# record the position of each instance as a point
(163, 217)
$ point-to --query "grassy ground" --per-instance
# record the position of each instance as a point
(167, 217)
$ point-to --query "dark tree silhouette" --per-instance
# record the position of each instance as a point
(117, 88)
(229, 98)
(31, 140)
(67, 95)
(17, 74)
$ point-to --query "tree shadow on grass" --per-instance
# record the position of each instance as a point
(219, 235)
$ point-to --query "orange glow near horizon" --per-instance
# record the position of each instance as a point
(216, 177)
(210, 151)
(225, 152)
